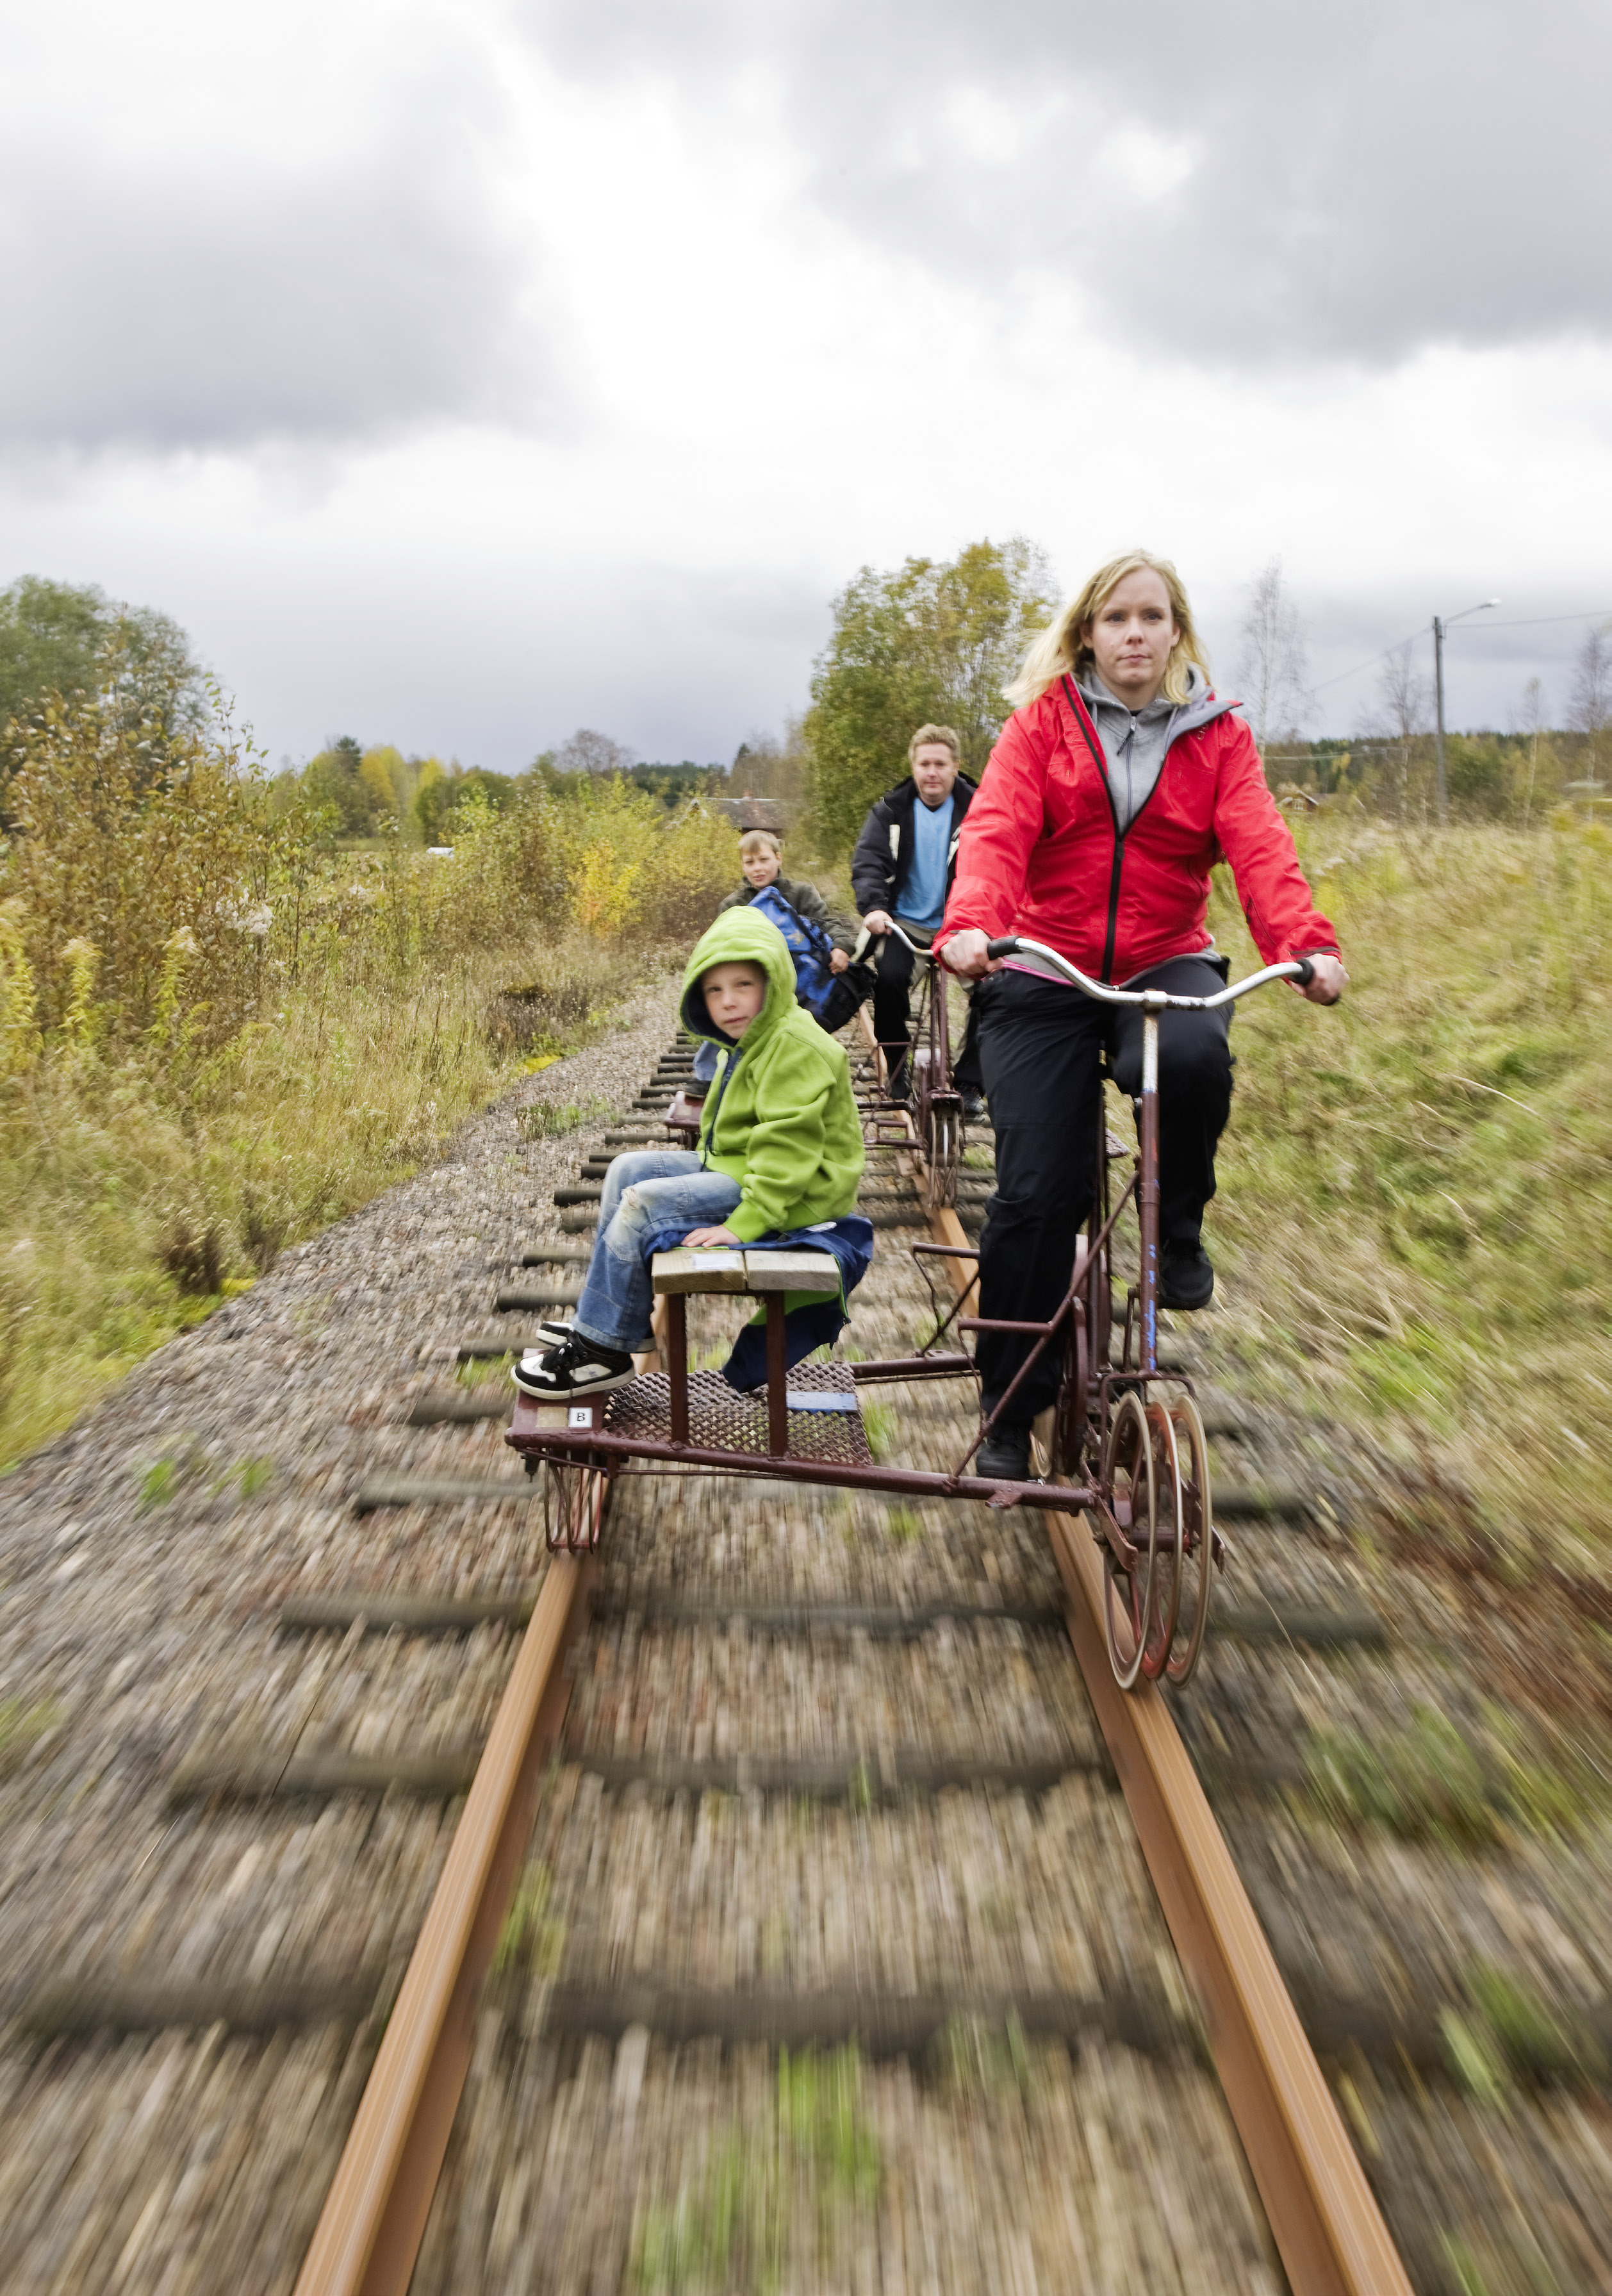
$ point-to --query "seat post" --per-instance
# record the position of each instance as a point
(1147, 1190)
(778, 1376)
(678, 1363)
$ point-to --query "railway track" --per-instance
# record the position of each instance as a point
(1320, 2209)
(822, 1783)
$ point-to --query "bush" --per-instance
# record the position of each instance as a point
(219, 1031)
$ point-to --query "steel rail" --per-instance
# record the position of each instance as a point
(1321, 2210)
(374, 2216)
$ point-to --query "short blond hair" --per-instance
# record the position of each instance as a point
(760, 840)
(926, 735)
(1059, 651)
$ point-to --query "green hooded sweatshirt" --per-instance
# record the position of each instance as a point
(780, 1118)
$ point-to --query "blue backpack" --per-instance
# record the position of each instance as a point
(829, 997)
(808, 944)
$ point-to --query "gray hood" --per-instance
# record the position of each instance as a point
(1136, 744)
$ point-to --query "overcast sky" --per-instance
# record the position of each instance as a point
(459, 374)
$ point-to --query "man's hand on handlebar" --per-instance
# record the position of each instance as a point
(878, 921)
(964, 953)
(1327, 981)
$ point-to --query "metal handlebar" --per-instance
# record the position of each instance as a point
(1157, 1000)
(864, 937)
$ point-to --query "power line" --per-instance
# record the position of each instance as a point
(1420, 631)
(1534, 622)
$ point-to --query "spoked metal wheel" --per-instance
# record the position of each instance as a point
(1129, 1474)
(1190, 1563)
(1142, 1469)
(574, 1503)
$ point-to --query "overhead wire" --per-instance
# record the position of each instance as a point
(1533, 622)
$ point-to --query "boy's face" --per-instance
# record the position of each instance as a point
(733, 996)
(760, 868)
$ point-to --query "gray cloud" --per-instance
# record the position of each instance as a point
(186, 304)
(1250, 182)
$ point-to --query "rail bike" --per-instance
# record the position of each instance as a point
(927, 1115)
(1122, 1441)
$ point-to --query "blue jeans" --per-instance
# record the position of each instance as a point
(705, 1057)
(656, 1188)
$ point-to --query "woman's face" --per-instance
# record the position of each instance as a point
(1132, 635)
(760, 868)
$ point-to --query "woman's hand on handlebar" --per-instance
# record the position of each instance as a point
(877, 922)
(1327, 981)
(964, 953)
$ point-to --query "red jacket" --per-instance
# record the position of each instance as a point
(1040, 853)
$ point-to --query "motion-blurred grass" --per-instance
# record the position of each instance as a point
(1413, 1212)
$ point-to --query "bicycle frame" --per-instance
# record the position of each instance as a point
(1154, 1002)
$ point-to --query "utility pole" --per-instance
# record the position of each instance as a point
(1440, 624)
(1438, 690)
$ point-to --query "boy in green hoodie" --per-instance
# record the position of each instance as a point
(780, 1149)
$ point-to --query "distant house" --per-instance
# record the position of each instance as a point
(748, 812)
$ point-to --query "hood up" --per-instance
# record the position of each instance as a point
(740, 937)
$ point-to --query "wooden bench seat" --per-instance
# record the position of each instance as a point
(754, 1273)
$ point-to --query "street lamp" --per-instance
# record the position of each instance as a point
(1439, 627)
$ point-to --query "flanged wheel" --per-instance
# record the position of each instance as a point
(1142, 1469)
(942, 1150)
(1191, 1561)
(1130, 1475)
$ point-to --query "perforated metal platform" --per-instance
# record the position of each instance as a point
(720, 1419)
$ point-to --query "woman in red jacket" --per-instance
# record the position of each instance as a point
(1118, 784)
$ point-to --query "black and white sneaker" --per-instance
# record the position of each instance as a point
(552, 1331)
(580, 1368)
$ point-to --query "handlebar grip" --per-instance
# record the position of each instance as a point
(1305, 973)
(1008, 945)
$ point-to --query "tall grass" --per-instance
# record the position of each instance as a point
(1415, 1192)
(217, 1032)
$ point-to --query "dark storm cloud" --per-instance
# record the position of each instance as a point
(1250, 180)
(189, 303)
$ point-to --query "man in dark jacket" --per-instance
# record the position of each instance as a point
(902, 871)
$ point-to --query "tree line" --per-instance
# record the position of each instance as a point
(933, 640)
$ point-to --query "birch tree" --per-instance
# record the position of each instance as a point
(1273, 666)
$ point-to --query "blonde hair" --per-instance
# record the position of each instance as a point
(1059, 651)
(926, 735)
(760, 840)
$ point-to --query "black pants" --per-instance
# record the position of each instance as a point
(1040, 1044)
(892, 1021)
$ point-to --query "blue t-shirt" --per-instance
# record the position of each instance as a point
(923, 897)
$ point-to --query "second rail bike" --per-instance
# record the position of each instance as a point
(927, 1114)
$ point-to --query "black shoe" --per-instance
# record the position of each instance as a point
(552, 1331)
(973, 1108)
(1186, 1278)
(1004, 1456)
(578, 1369)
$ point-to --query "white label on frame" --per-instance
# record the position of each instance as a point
(582, 1415)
